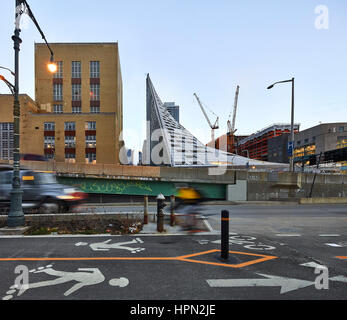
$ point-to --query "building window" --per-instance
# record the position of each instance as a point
(58, 108)
(76, 92)
(70, 157)
(91, 125)
(49, 126)
(70, 126)
(341, 129)
(59, 73)
(94, 109)
(94, 69)
(91, 158)
(76, 109)
(6, 141)
(49, 156)
(70, 142)
(57, 92)
(306, 141)
(76, 70)
(49, 142)
(95, 92)
(91, 142)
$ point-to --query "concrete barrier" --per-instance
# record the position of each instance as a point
(323, 201)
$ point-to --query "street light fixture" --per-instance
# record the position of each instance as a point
(292, 119)
(8, 83)
(8, 70)
(16, 216)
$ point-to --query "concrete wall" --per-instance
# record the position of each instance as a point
(288, 186)
(237, 192)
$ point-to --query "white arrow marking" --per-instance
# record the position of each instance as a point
(333, 245)
(286, 284)
(339, 279)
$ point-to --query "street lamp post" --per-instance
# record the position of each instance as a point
(292, 133)
(16, 216)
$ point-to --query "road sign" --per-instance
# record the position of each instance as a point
(290, 148)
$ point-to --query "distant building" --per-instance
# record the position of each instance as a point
(140, 159)
(28, 106)
(277, 149)
(173, 110)
(330, 139)
(226, 143)
(130, 157)
(256, 146)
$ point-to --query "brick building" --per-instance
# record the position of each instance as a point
(256, 146)
(79, 109)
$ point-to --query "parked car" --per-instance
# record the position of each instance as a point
(41, 191)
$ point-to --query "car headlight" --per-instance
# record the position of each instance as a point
(69, 191)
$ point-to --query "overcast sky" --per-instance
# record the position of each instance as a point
(207, 47)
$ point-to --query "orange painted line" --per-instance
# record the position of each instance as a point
(240, 265)
(185, 258)
(197, 254)
(342, 258)
(225, 219)
(85, 259)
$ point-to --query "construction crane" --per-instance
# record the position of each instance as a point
(213, 126)
(231, 126)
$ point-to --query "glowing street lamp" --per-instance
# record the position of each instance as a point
(52, 66)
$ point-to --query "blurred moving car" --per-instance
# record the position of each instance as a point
(41, 191)
(32, 157)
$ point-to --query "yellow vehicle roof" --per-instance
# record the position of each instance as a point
(188, 193)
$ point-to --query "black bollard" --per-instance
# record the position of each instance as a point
(225, 235)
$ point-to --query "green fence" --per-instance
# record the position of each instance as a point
(142, 188)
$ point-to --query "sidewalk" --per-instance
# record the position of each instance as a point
(151, 227)
(208, 203)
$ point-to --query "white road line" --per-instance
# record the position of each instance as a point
(333, 245)
(330, 235)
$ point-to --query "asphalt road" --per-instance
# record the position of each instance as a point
(276, 253)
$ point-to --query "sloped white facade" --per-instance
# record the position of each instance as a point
(170, 144)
